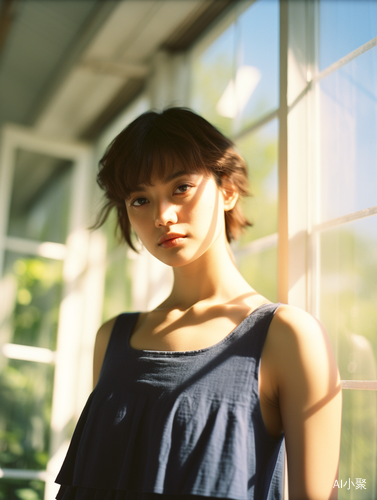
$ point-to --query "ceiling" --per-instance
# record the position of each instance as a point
(68, 67)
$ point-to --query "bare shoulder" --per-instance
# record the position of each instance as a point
(100, 346)
(293, 325)
(295, 320)
(297, 344)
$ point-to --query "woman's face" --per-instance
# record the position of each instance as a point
(178, 218)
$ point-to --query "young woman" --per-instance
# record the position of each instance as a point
(195, 398)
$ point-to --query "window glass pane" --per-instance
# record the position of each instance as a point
(25, 411)
(235, 77)
(40, 197)
(358, 446)
(344, 26)
(20, 489)
(32, 291)
(260, 271)
(258, 60)
(212, 71)
(259, 149)
(118, 291)
(348, 124)
(349, 296)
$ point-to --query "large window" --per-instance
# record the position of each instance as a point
(332, 206)
(345, 222)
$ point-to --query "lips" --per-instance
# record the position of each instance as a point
(170, 237)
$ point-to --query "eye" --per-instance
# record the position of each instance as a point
(138, 202)
(182, 189)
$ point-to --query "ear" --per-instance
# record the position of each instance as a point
(229, 192)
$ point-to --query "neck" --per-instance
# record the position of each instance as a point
(211, 278)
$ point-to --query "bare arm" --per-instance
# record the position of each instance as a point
(308, 388)
(100, 346)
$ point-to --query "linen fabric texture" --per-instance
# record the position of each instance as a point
(168, 424)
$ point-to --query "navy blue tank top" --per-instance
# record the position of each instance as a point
(176, 423)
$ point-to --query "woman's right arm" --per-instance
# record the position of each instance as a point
(100, 346)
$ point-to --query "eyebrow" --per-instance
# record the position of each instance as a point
(166, 180)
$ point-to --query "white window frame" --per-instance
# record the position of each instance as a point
(83, 275)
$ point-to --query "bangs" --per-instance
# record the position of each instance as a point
(158, 156)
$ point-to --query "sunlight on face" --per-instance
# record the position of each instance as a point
(179, 218)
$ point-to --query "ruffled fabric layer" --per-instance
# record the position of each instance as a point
(142, 448)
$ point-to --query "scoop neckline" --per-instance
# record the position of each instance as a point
(153, 352)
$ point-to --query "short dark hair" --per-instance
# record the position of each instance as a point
(154, 144)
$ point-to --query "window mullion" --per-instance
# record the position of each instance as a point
(283, 159)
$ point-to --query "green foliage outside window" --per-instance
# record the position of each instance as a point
(26, 386)
(348, 310)
(16, 489)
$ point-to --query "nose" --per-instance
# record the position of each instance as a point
(166, 214)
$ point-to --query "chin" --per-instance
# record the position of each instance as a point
(173, 258)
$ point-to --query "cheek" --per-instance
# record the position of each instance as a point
(209, 213)
(136, 223)
(141, 230)
(199, 213)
